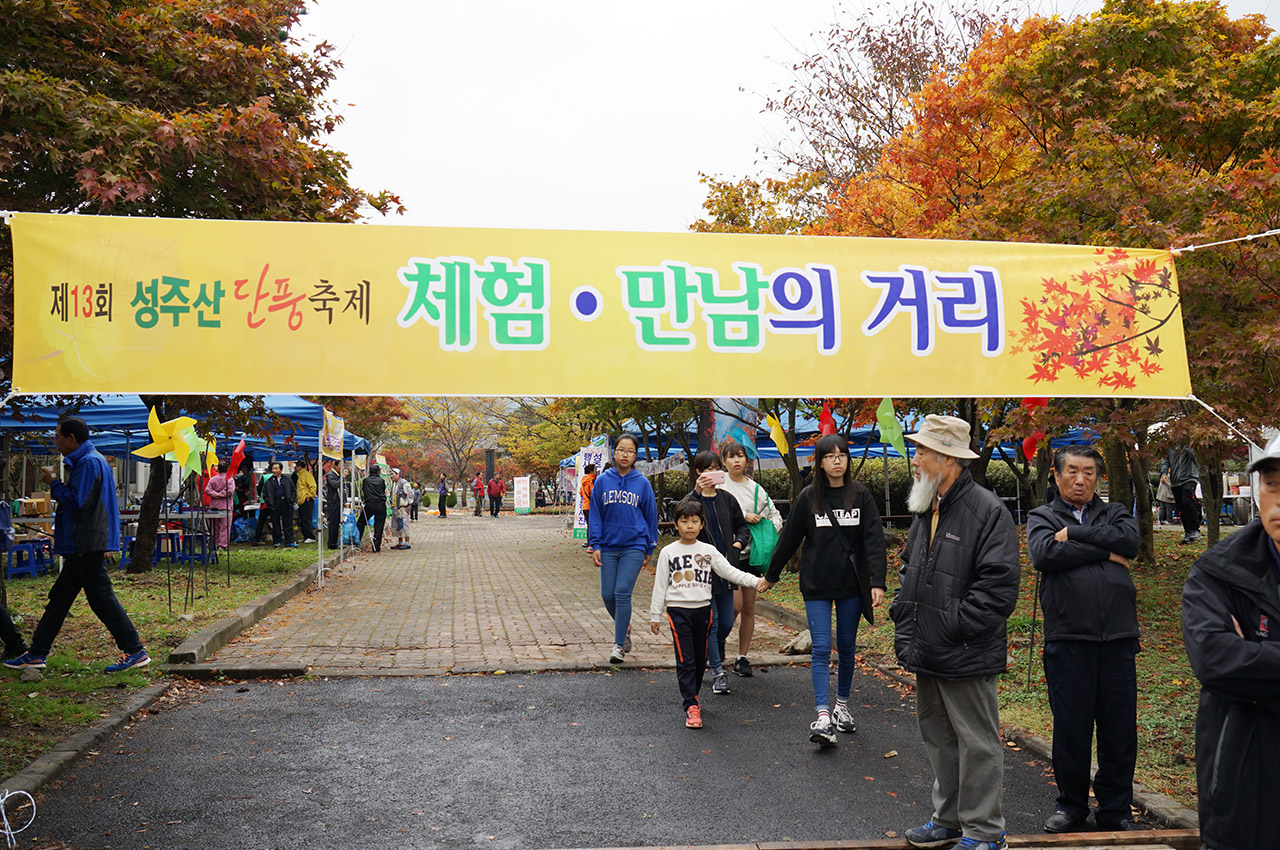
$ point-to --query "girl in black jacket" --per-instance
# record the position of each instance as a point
(726, 529)
(846, 575)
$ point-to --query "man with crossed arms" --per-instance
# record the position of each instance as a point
(1082, 546)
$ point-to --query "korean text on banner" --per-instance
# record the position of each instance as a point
(594, 453)
(99, 301)
(522, 495)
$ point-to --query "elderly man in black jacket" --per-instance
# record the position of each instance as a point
(1231, 626)
(280, 494)
(1082, 546)
(959, 584)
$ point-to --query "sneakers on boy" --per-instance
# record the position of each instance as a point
(25, 660)
(720, 685)
(742, 667)
(693, 717)
(975, 844)
(822, 732)
(618, 655)
(128, 661)
(931, 835)
(843, 719)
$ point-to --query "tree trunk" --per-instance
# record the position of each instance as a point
(1140, 469)
(1119, 489)
(149, 518)
(1212, 487)
(1044, 467)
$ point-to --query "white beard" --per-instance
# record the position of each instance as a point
(924, 494)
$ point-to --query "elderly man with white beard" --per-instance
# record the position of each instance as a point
(958, 586)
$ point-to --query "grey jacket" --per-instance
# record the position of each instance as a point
(955, 596)
(1181, 466)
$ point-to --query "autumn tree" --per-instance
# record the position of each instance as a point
(187, 109)
(461, 427)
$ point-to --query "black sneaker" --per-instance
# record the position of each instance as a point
(821, 732)
(720, 685)
(742, 667)
(931, 835)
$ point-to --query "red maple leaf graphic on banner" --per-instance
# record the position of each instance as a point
(1100, 323)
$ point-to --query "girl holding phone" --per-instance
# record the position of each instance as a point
(726, 529)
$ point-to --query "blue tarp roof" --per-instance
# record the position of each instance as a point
(118, 424)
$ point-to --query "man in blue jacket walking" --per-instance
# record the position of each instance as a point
(86, 527)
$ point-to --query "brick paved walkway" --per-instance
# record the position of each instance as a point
(515, 593)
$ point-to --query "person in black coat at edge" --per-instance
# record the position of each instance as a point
(1082, 545)
(373, 493)
(1231, 627)
(332, 502)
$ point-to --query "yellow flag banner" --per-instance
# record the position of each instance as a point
(331, 436)
(109, 304)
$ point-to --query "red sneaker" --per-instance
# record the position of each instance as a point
(693, 717)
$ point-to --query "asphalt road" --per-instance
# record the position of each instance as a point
(591, 759)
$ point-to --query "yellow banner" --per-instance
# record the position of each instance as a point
(105, 304)
(331, 436)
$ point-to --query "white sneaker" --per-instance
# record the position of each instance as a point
(843, 719)
(822, 732)
(309, 540)
(617, 656)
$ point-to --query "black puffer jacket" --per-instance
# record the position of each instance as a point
(955, 596)
(1238, 724)
(373, 492)
(1085, 595)
(733, 529)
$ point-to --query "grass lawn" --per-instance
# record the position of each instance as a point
(75, 691)
(1168, 692)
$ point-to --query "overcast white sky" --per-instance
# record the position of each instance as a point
(567, 114)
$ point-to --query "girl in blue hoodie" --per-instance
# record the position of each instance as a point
(622, 533)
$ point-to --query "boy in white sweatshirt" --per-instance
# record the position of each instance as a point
(682, 586)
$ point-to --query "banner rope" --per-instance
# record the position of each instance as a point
(1177, 252)
(1238, 432)
(5, 215)
(10, 834)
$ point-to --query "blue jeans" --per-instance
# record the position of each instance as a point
(818, 612)
(619, 569)
(721, 625)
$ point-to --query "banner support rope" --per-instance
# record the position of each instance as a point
(1238, 432)
(1177, 252)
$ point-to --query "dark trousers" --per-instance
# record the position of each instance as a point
(378, 521)
(262, 521)
(689, 630)
(413, 511)
(495, 505)
(87, 572)
(333, 522)
(443, 506)
(1188, 507)
(1093, 684)
(479, 504)
(282, 524)
(305, 510)
(13, 642)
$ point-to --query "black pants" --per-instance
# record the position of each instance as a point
(1188, 507)
(13, 642)
(262, 521)
(1093, 684)
(87, 572)
(282, 525)
(689, 628)
(378, 521)
(495, 505)
(443, 508)
(333, 522)
(413, 511)
(304, 519)
(479, 504)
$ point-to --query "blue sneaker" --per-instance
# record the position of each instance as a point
(128, 661)
(974, 844)
(291, 545)
(24, 661)
(931, 835)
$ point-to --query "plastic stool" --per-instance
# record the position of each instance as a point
(30, 560)
(199, 548)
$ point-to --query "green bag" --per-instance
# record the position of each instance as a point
(764, 537)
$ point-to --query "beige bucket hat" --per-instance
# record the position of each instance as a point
(947, 435)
